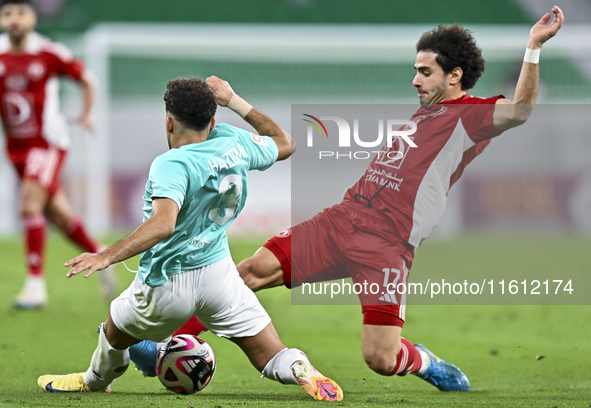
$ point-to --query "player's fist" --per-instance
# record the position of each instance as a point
(222, 89)
(86, 121)
(542, 31)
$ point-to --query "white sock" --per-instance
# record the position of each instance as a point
(279, 367)
(35, 282)
(424, 364)
(106, 365)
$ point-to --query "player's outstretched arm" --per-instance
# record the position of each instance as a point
(88, 84)
(157, 228)
(263, 124)
(509, 114)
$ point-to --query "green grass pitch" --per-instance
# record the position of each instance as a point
(498, 347)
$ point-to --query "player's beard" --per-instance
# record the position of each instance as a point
(18, 37)
(435, 96)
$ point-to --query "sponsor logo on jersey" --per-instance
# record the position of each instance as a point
(16, 82)
(284, 234)
(440, 112)
(258, 140)
(200, 242)
(20, 115)
(36, 71)
(396, 161)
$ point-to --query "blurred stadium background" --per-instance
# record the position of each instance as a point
(278, 52)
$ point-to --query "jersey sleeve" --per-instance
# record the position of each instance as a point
(169, 178)
(65, 63)
(262, 150)
(478, 118)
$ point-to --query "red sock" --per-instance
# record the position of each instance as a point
(35, 243)
(409, 359)
(77, 234)
(193, 326)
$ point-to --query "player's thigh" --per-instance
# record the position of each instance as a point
(225, 305)
(380, 346)
(261, 347)
(154, 313)
(379, 268)
(33, 197)
(262, 270)
(58, 210)
(316, 248)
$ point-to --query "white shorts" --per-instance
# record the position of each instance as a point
(215, 294)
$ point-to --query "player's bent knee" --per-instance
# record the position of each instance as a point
(380, 363)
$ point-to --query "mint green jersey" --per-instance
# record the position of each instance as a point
(209, 183)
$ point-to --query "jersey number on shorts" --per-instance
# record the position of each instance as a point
(395, 287)
(230, 189)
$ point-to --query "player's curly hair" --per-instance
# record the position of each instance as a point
(455, 47)
(191, 101)
(4, 2)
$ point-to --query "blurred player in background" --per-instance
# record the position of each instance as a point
(194, 192)
(373, 234)
(37, 138)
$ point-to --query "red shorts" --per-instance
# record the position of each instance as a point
(41, 164)
(349, 240)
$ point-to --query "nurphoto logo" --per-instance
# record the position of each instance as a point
(396, 131)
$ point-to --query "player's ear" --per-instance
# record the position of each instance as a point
(455, 76)
(169, 124)
(212, 124)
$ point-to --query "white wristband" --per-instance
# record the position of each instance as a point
(239, 105)
(532, 56)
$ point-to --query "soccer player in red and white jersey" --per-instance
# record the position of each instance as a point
(37, 138)
(379, 224)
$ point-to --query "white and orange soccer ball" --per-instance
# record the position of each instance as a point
(185, 364)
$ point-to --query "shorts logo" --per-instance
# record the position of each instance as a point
(284, 234)
(258, 140)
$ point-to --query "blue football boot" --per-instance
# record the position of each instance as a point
(443, 375)
(144, 355)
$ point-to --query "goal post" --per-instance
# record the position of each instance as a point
(273, 66)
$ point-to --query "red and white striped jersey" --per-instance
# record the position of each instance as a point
(412, 191)
(29, 92)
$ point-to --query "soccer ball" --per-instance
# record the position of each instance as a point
(185, 364)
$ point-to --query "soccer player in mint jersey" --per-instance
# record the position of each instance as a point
(37, 138)
(377, 227)
(193, 193)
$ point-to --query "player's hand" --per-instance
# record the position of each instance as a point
(542, 31)
(222, 89)
(92, 262)
(86, 121)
